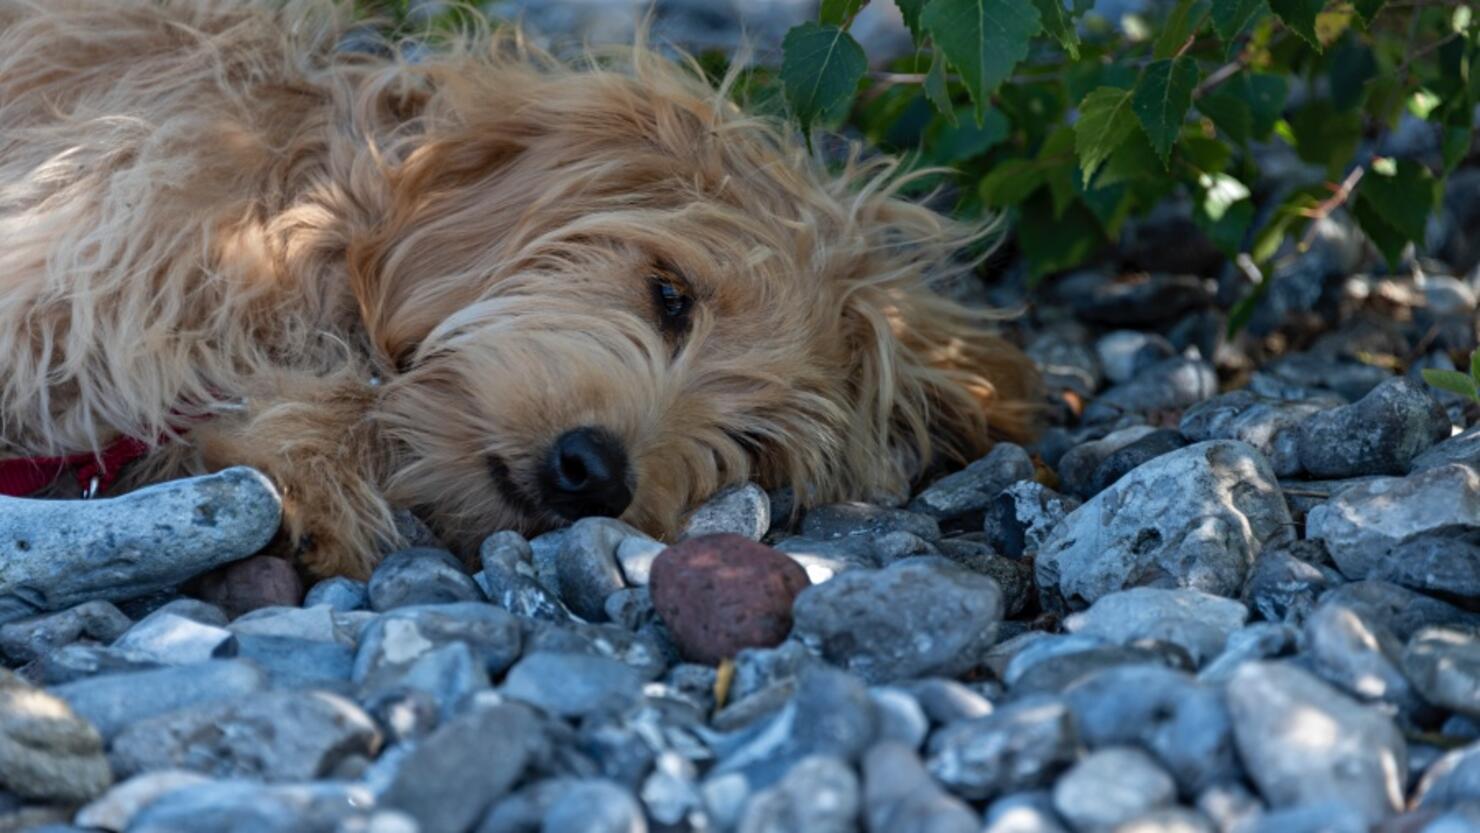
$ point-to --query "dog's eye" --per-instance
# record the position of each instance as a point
(673, 302)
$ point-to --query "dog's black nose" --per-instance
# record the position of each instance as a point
(585, 473)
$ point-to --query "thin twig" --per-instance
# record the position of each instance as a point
(1402, 70)
(1218, 76)
(1340, 194)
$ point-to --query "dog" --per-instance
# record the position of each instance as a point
(495, 289)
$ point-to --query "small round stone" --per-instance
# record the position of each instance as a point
(721, 593)
(252, 583)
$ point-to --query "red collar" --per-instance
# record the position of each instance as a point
(25, 476)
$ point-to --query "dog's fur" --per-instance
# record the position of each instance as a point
(376, 279)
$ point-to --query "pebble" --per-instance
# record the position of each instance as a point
(1460, 448)
(1076, 469)
(47, 751)
(1025, 812)
(594, 806)
(113, 702)
(1401, 610)
(272, 736)
(63, 553)
(1444, 664)
(1363, 525)
(28, 639)
(395, 640)
(1124, 353)
(1167, 820)
(1022, 745)
(421, 576)
(586, 565)
(241, 806)
(1303, 742)
(1066, 362)
(115, 809)
(719, 594)
(171, 639)
(339, 593)
(1111, 786)
(1286, 581)
(448, 780)
(841, 520)
(743, 510)
(819, 794)
(900, 716)
(917, 617)
(71, 663)
(960, 499)
(291, 662)
(1451, 781)
(1181, 721)
(1121, 461)
(900, 797)
(1169, 385)
(572, 685)
(1379, 434)
(947, 701)
(1196, 517)
(508, 579)
(252, 583)
(1268, 425)
(1357, 654)
(1198, 622)
(1023, 515)
(316, 624)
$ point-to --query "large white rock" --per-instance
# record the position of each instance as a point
(1196, 517)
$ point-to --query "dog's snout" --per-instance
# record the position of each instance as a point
(585, 473)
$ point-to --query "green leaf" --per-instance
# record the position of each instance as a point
(1352, 66)
(1230, 17)
(1204, 154)
(1161, 100)
(1475, 367)
(963, 138)
(1324, 136)
(1387, 239)
(910, 11)
(1452, 381)
(936, 89)
(1105, 120)
(1012, 181)
(1243, 311)
(1184, 21)
(983, 39)
(1367, 9)
(1265, 93)
(1456, 146)
(1135, 161)
(820, 70)
(1219, 193)
(1230, 114)
(1228, 230)
(1059, 25)
(1055, 243)
(1300, 16)
(839, 12)
(1402, 194)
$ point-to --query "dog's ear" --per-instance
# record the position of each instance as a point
(931, 377)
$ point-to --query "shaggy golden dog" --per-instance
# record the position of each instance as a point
(486, 286)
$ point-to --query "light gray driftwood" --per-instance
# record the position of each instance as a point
(59, 553)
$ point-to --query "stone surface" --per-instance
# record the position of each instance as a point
(113, 702)
(962, 497)
(339, 593)
(27, 639)
(395, 640)
(252, 583)
(280, 736)
(1168, 385)
(1121, 461)
(572, 685)
(1268, 425)
(719, 594)
(1362, 525)
(1194, 518)
(1379, 434)
(171, 639)
(743, 510)
(1124, 353)
(1304, 742)
(586, 565)
(116, 808)
(249, 807)
(820, 794)
(1111, 786)
(447, 781)
(1022, 745)
(1452, 780)
(1354, 652)
(916, 617)
(1198, 622)
(47, 752)
(1460, 448)
(842, 520)
(63, 553)
(900, 797)
(1444, 665)
(421, 576)
(1022, 517)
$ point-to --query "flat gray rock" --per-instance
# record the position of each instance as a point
(60, 553)
(113, 702)
(1199, 622)
(1111, 786)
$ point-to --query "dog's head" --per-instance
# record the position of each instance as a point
(609, 292)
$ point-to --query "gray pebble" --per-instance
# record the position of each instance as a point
(174, 640)
(27, 639)
(1076, 468)
(572, 685)
(1111, 786)
(1124, 353)
(1268, 425)
(1316, 817)
(1023, 745)
(917, 617)
(1168, 385)
(294, 663)
(116, 701)
(508, 579)
(116, 808)
(1452, 780)
(594, 806)
(1024, 812)
(393, 641)
(1197, 621)
(1286, 582)
(420, 577)
(901, 719)
(1354, 652)
(339, 593)
(1379, 434)
(1121, 461)
(47, 752)
(820, 794)
(900, 797)
(740, 510)
(960, 498)
(586, 565)
(1460, 448)
(840, 520)
(251, 807)
(1444, 664)
(1401, 610)
(1023, 515)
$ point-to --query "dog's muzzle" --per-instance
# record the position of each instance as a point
(586, 472)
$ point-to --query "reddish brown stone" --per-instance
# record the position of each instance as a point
(721, 593)
(243, 586)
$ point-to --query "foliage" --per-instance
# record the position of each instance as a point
(1074, 125)
(1454, 381)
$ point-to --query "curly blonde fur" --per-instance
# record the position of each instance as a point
(393, 284)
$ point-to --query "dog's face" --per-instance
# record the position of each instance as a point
(610, 294)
